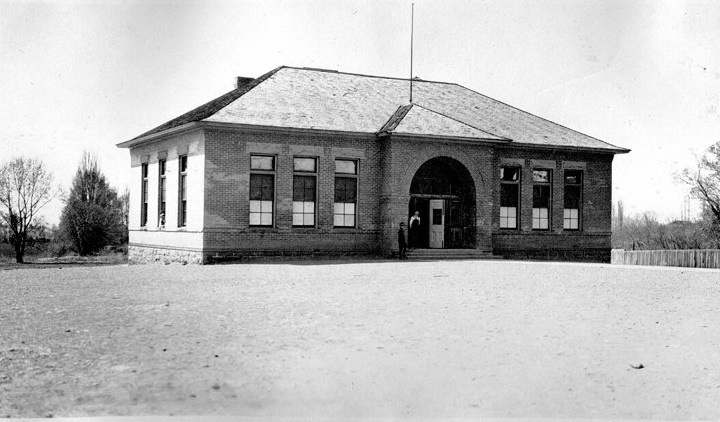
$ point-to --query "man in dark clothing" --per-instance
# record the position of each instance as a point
(401, 242)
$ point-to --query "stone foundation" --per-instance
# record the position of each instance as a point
(150, 255)
(576, 255)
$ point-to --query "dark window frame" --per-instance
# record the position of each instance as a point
(162, 192)
(260, 175)
(547, 186)
(576, 198)
(143, 194)
(510, 184)
(305, 175)
(182, 190)
(342, 181)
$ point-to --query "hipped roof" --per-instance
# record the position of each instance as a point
(302, 98)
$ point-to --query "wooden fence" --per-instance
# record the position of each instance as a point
(697, 258)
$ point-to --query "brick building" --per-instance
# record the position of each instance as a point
(302, 161)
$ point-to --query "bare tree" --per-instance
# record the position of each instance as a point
(24, 190)
(705, 181)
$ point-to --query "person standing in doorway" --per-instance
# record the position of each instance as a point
(402, 246)
(414, 230)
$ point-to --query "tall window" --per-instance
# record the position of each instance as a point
(509, 197)
(542, 186)
(144, 194)
(304, 187)
(161, 192)
(345, 210)
(262, 190)
(182, 184)
(573, 199)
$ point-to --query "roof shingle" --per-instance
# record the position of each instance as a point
(328, 100)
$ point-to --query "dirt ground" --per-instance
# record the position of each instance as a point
(380, 339)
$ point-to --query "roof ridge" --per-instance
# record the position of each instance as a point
(542, 118)
(415, 79)
(461, 122)
(211, 107)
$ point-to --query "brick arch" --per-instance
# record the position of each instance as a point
(476, 183)
(470, 164)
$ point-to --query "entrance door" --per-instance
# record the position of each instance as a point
(437, 223)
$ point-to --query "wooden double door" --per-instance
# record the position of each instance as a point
(441, 222)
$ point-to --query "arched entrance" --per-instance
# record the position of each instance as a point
(443, 192)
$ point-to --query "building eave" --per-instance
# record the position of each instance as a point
(187, 127)
(283, 129)
(520, 145)
(463, 139)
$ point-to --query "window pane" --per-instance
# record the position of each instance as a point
(346, 166)
(509, 174)
(183, 163)
(308, 219)
(303, 188)
(266, 219)
(254, 218)
(540, 218)
(261, 187)
(541, 196)
(297, 220)
(508, 195)
(254, 206)
(344, 215)
(541, 176)
(573, 176)
(261, 162)
(266, 206)
(345, 189)
(508, 218)
(572, 196)
(571, 219)
(304, 164)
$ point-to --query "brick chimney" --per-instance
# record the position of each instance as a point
(241, 80)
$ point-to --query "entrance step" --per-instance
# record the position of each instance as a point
(450, 254)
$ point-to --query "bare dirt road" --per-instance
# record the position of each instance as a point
(381, 339)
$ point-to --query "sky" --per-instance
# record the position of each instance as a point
(85, 75)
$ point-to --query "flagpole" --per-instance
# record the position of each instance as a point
(412, 24)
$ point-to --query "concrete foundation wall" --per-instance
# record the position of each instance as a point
(154, 255)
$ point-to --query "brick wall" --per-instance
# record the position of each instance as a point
(227, 228)
(592, 241)
(219, 162)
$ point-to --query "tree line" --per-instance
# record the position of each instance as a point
(94, 215)
(646, 232)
